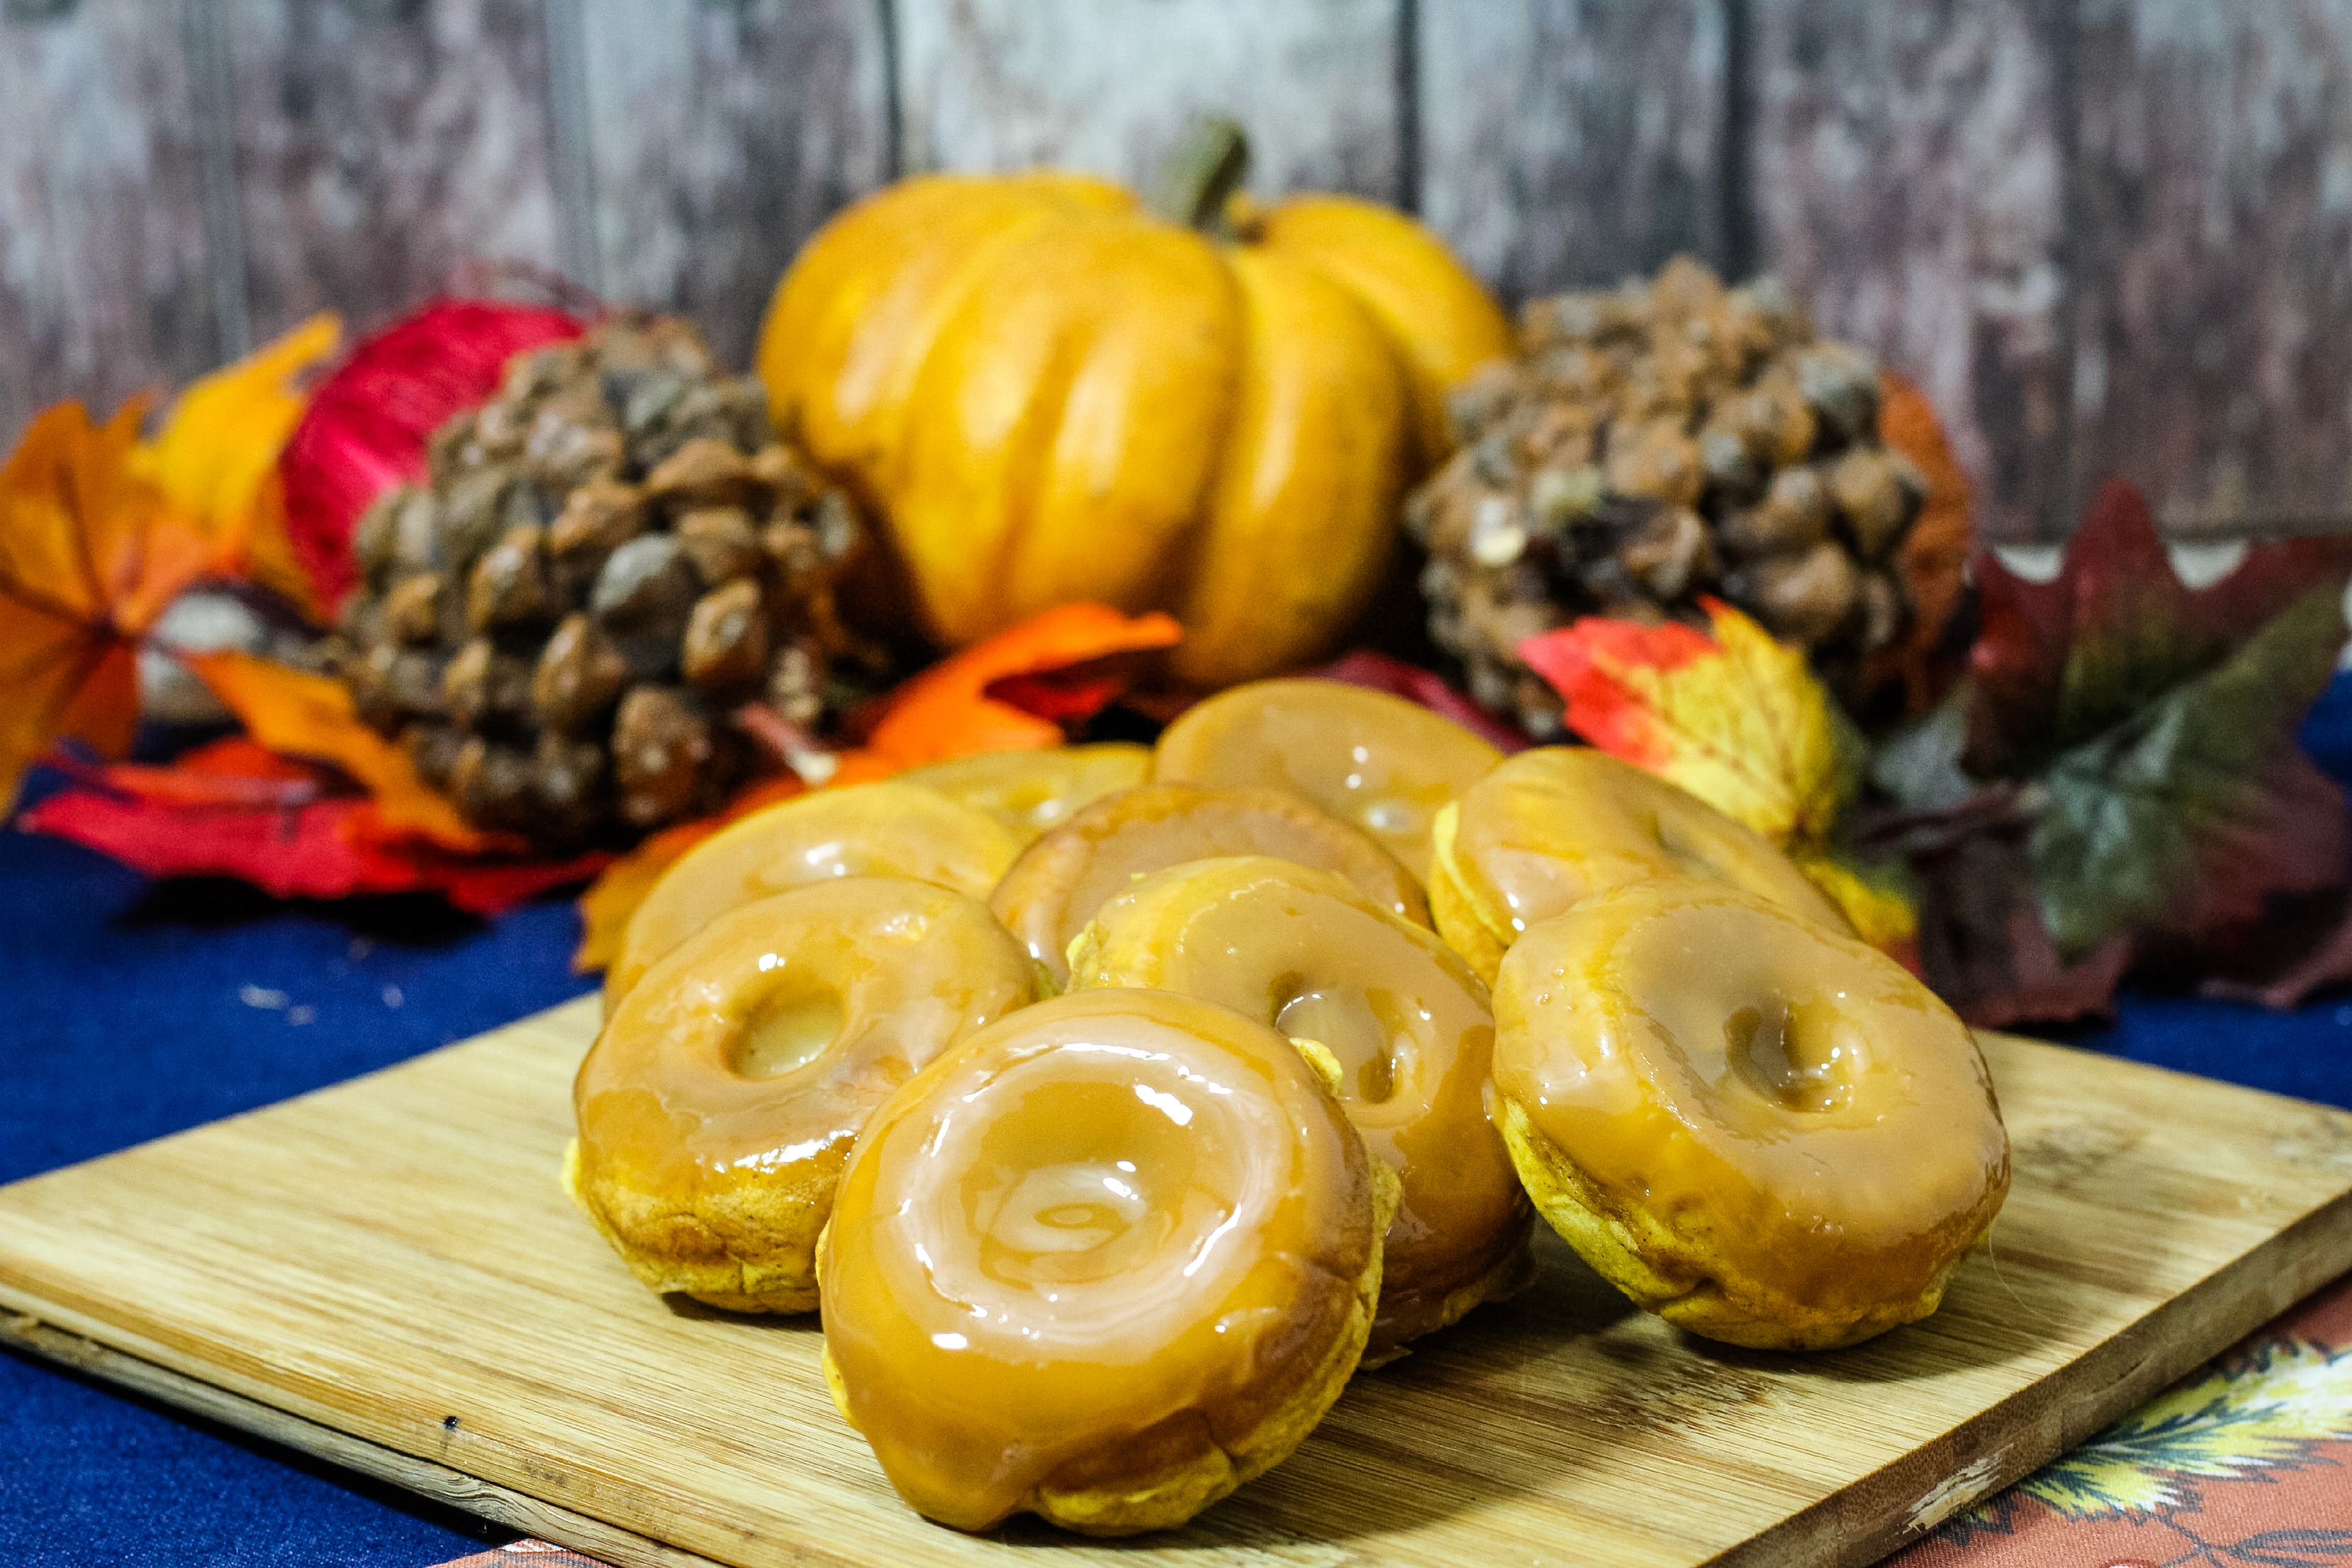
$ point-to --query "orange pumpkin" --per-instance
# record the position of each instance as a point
(1049, 392)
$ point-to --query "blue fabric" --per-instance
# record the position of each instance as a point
(129, 1009)
(132, 1009)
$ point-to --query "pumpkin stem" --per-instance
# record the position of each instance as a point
(1207, 168)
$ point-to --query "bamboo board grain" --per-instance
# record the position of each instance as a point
(391, 1265)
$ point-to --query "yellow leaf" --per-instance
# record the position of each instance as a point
(219, 446)
(1741, 721)
(1873, 901)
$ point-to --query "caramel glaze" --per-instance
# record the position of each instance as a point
(1376, 762)
(1404, 1017)
(1029, 792)
(723, 1094)
(1116, 1238)
(1558, 824)
(1806, 1121)
(887, 829)
(1054, 888)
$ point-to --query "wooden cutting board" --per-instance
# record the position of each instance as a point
(385, 1272)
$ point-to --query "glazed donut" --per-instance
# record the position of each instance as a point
(1029, 792)
(721, 1097)
(1767, 1132)
(1408, 1028)
(885, 829)
(1375, 761)
(1558, 824)
(1106, 1260)
(1054, 888)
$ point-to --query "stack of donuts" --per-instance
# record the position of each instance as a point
(1115, 1105)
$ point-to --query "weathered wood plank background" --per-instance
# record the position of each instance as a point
(2108, 235)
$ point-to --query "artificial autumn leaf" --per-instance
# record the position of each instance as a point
(2059, 664)
(963, 705)
(368, 422)
(1741, 721)
(307, 715)
(957, 706)
(293, 831)
(2190, 812)
(90, 553)
(217, 452)
(1982, 945)
(235, 770)
(1934, 559)
(1736, 719)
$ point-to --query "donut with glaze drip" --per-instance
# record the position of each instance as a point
(886, 829)
(1054, 888)
(1105, 1261)
(1376, 762)
(721, 1097)
(1765, 1131)
(1404, 1020)
(1558, 824)
(1031, 792)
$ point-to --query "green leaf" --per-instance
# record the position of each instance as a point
(1919, 766)
(2188, 811)
(2268, 1413)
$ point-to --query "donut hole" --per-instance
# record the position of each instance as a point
(1795, 1056)
(794, 1025)
(1342, 1020)
(1091, 1181)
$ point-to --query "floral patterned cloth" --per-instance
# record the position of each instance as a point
(2247, 1463)
(2242, 1464)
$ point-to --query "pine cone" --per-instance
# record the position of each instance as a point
(1648, 446)
(604, 561)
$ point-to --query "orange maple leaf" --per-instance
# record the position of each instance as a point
(90, 553)
(1741, 721)
(305, 715)
(946, 710)
(943, 713)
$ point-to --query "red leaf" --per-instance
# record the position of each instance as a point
(2058, 663)
(1379, 672)
(1983, 948)
(368, 422)
(234, 810)
(2327, 962)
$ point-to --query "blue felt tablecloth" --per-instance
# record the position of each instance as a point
(129, 1009)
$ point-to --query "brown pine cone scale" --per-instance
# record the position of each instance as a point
(604, 562)
(1652, 444)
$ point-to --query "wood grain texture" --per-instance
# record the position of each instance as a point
(1108, 85)
(1907, 170)
(391, 1260)
(103, 287)
(621, 1548)
(1567, 143)
(720, 137)
(381, 145)
(2213, 232)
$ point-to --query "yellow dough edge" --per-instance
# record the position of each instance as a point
(1456, 910)
(1620, 1244)
(1506, 1279)
(1168, 1500)
(743, 1251)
